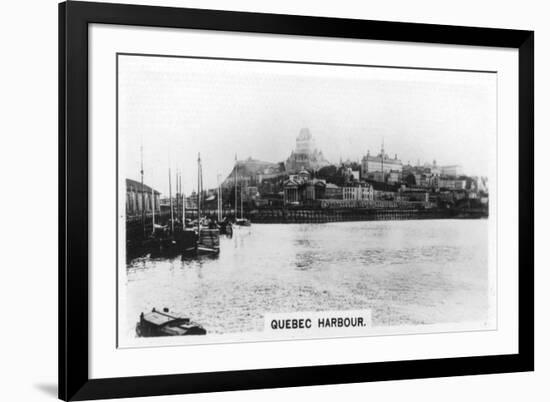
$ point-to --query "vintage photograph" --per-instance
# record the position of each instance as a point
(271, 200)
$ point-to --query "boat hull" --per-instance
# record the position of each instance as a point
(209, 241)
(157, 323)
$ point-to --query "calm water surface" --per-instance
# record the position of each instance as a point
(407, 272)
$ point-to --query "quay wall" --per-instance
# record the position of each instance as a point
(347, 215)
(135, 229)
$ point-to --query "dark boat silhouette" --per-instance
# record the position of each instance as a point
(165, 323)
(242, 222)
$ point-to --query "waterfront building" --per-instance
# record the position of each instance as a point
(139, 197)
(382, 164)
(315, 189)
(305, 155)
(292, 191)
(384, 195)
(300, 188)
(406, 194)
(332, 191)
(359, 193)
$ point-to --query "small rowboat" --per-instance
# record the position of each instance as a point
(165, 323)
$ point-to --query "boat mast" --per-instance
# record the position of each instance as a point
(142, 194)
(219, 199)
(177, 194)
(382, 153)
(199, 190)
(242, 212)
(235, 176)
(153, 207)
(181, 201)
(182, 206)
(170, 196)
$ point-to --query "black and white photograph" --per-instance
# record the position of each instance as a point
(269, 200)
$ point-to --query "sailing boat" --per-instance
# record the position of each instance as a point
(224, 224)
(206, 239)
(242, 221)
(186, 237)
(209, 236)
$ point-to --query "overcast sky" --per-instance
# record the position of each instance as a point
(177, 107)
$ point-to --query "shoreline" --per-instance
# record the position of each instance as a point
(357, 215)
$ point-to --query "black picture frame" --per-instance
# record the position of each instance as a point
(74, 18)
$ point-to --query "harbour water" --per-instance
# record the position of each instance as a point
(407, 272)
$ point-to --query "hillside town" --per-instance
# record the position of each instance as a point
(307, 180)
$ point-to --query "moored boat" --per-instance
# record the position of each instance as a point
(209, 241)
(226, 228)
(187, 241)
(208, 235)
(166, 323)
(242, 222)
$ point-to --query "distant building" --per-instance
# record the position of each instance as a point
(305, 155)
(451, 170)
(426, 175)
(382, 164)
(452, 184)
(393, 177)
(351, 175)
(481, 184)
(139, 197)
(427, 180)
(376, 176)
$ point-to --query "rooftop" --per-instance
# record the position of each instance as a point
(134, 185)
(380, 157)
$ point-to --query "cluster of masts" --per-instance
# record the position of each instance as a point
(180, 197)
(179, 194)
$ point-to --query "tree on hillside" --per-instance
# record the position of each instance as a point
(331, 174)
(410, 180)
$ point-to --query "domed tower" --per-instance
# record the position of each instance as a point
(305, 155)
(304, 142)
